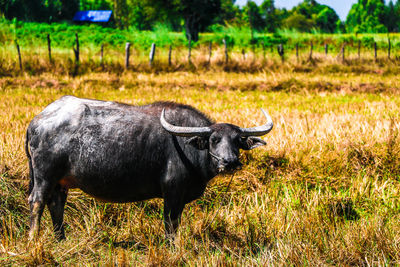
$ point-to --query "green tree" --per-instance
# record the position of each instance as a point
(68, 9)
(121, 13)
(39, 10)
(397, 11)
(392, 18)
(28, 10)
(299, 22)
(253, 16)
(326, 19)
(281, 15)
(269, 13)
(198, 15)
(367, 16)
(310, 15)
(139, 18)
(94, 4)
(230, 13)
(145, 14)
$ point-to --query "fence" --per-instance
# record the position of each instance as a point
(342, 56)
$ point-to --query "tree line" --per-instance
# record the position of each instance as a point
(366, 16)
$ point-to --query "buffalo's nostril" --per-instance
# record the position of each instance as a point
(232, 164)
(239, 166)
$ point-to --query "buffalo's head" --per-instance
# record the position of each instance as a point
(222, 140)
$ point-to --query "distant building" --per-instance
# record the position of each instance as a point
(93, 16)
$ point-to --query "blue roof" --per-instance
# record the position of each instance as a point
(93, 15)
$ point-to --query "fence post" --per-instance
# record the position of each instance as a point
(297, 52)
(169, 55)
(101, 54)
(343, 52)
(151, 55)
(127, 51)
(49, 47)
(376, 51)
(19, 55)
(359, 49)
(226, 51)
(209, 52)
(326, 49)
(190, 49)
(263, 48)
(244, 54)
(311, 50)
(76, 50)
(281, 52)
(389, 46)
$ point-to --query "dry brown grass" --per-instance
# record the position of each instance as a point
(324, 191)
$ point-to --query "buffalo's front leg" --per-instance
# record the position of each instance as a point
(172, 215)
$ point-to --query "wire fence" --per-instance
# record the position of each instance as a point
(213, 53)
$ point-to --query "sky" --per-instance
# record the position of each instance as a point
(341, 7)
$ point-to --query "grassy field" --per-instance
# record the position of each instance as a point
(324, 190)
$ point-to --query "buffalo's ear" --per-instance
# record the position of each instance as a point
(251, 142)
(198, 142)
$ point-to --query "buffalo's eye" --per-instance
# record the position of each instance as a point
(243, 140)
(215, 139)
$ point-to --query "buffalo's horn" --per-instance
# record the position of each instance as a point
(183, 131)
(259, 130)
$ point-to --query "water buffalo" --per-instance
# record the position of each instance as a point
(123, 153)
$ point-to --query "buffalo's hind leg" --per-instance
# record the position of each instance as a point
(44, 190)
(37, 200)
(56, 205)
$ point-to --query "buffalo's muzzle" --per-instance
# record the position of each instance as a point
(229, 166)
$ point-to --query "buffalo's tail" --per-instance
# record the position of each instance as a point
(31, 178)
